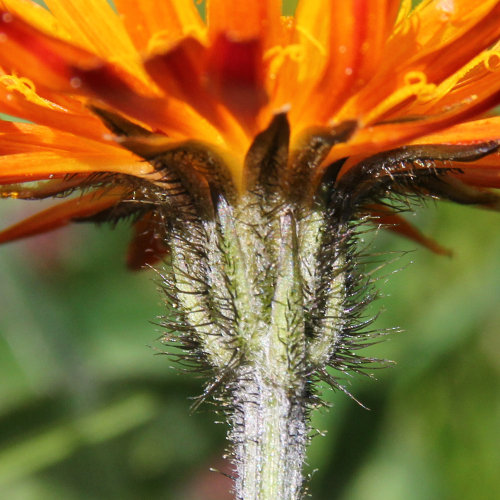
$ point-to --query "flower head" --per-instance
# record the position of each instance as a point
(246, 147)
(370, 97)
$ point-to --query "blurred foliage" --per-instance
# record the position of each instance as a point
(89, 408)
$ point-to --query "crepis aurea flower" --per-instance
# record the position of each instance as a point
(246, 148)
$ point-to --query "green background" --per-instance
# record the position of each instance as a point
(89, 408)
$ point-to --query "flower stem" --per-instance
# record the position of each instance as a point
(270, 436)
(259, 292)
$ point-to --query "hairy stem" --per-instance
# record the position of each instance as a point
(269, 432)
(259, 292)
(260, 284)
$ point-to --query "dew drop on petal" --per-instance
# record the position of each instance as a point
(446, 6)
(7, 17)
(75, 82)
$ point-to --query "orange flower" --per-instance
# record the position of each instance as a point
(373, 92)
(248, 146)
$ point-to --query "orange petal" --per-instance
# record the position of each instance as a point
(147, 247)
(299, 60)
(42, 189)
(26, 137)
(369, 140)
(19, 103)
(463, 48)
(95, 26)
(179, 73)
(480, 176)
(25, 167)
(484, 172)
(59, 66)
(46, 60)
(62, 214)
(478, 131)
(7, 127)
(53, 63)
(358, 34)
(236, 77)
(433, 43)
(151, 22)
(453, 188)
(478, 78)
(391, 221)
(438, 23)
(169, 115)
(243, 20)
(36, 16)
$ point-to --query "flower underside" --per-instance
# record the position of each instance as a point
(373, 94)
(295, 127)
(246, 149)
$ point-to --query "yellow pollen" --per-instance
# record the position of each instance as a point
(162, 40)
(27, 88)
(415, 78)
(307, 34)
(159, 41)
(488, 61)
(278, 54)
(492, 61)
(415, 85)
